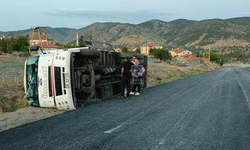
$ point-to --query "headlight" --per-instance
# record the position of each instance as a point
(67, 83)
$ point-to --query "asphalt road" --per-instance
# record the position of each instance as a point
(209, 111)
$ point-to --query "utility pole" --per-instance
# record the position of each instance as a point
(77, 39)
(92, 40)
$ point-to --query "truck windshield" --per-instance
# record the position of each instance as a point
(31, 80)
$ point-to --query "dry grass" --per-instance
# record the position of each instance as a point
(11, 83)
(160, 73)
(1, 111)
(11, 95)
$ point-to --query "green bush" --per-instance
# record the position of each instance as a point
(161, 54)
(125, 49)
(216, 58)
(159, 79)
(21, 43)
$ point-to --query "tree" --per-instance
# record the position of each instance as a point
(81, 42)
(21, 44)
(70, 46)
(138, 51)
(9, 48)
(216, 58)
(198, 54)
(151, 51)
(3, 45)
(162, 54)
(125, 49)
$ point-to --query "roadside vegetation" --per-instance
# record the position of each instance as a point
(20, 44)
(161, 54)
(163, 72)
(228, 55)
(11, 82)
(125, 50)
(160, 73)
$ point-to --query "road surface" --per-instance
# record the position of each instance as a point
(209, 111)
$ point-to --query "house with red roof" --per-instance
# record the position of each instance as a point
(204, 60)
(47, 43)
(179, 52)
(132, 49)
(190, 57)
(47, 46)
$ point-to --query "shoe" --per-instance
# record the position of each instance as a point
(131, 93)
(137, 93)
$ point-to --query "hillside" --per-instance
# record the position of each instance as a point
(214, 34)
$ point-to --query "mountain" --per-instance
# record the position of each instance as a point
(58, 34)
(214, 34)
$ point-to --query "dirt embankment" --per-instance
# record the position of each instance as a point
(14, 110)
(159, 73)
(24, 116)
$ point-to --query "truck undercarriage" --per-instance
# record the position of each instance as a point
(95, 75)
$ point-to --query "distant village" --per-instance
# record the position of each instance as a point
(179, 56)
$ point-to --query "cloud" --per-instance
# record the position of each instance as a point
(110, 15)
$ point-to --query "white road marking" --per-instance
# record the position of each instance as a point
(113, 129)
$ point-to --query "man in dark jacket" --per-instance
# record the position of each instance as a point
(126, 77)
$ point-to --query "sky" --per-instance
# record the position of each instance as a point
(24, 14)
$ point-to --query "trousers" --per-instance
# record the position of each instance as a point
(125, 83)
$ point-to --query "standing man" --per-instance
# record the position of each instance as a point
(138, 71)
(126, 76)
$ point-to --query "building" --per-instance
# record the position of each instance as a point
(145, 48)
(179, 52)
(132, 49)
(191, 59)
(47, 46)
(47, 43)
(36, 40)
(204, 60)
(117, 49)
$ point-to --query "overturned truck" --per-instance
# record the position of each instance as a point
(68, 79)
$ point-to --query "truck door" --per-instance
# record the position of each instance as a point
(45, 81)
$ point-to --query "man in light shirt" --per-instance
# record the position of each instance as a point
(137, 75)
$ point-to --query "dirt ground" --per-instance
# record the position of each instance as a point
(14, 110)
(24, 116)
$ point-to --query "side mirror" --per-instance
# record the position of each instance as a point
(34, 48)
